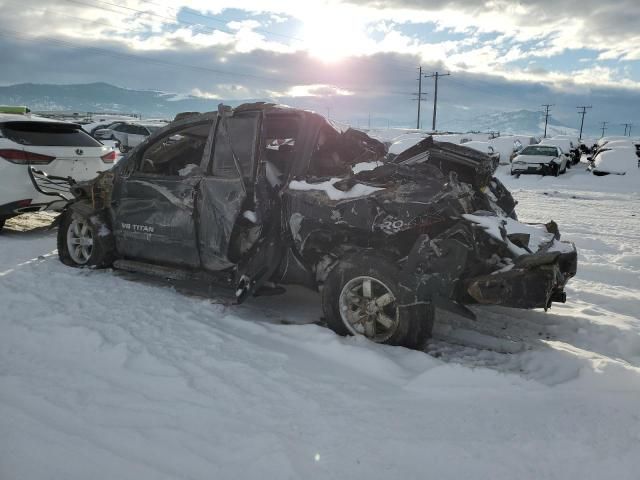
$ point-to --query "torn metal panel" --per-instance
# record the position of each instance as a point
(219, 204)
(472, 167)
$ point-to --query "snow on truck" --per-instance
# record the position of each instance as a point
(260, 196)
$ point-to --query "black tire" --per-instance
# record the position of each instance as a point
(2, 220)
(122, 148)
(413, 325)
(103, 249)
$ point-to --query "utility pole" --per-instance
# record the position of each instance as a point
(626, 125)
(436, 75)
(583, 112)
(419, 96)
(547, 106)
(604, 127)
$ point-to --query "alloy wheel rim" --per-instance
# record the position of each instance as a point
(80, 241)
(368, 307)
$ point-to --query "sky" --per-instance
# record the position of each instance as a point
(351, 59)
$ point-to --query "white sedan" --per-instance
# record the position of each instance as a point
(540, 159)
(57, 148)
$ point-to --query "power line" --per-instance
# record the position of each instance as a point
(604, 127)
(170, 19)
(583, 113)
(546, 116)
(436, 75)
(419, 96)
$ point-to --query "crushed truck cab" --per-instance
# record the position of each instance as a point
(259, 196)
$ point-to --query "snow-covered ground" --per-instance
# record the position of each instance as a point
(103, 377)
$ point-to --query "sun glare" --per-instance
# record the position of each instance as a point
(330, 36)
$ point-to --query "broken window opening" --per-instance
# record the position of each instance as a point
(281, 133)
(240, 139)
(327, 159)
(177, 153)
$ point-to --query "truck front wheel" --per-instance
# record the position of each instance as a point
(83, 242)
(361, 296)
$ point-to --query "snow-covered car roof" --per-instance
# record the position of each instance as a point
(478, 145)
(563, 143)
(614, 144)
(611, 138)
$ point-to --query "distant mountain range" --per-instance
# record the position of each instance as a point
(520, 121)
(103, 97)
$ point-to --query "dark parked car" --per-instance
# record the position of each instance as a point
(263, 195)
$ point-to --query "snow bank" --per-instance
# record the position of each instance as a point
(104, 375)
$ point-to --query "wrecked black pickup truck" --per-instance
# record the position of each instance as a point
(260, 196)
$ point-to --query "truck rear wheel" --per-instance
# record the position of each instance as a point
(82, 242)
(361, 296)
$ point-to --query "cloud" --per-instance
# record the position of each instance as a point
(314, 52)
(316, 90)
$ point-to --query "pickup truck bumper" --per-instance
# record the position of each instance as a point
(534, 281)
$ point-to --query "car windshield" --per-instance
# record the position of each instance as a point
(540, 150)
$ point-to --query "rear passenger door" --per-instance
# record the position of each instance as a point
(154, 206)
